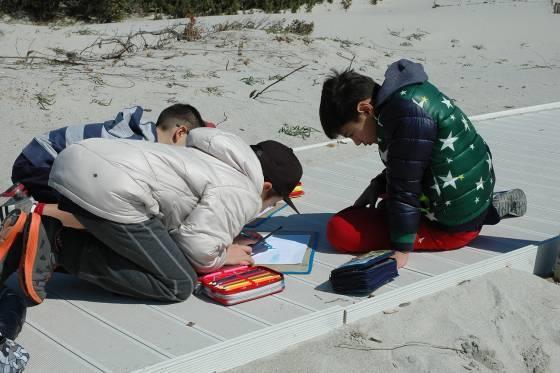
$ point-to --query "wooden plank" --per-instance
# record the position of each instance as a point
(531, 187)
(112, 349)
(222, 322)
(547, 228)
(47, 355)
(341, 177)
(523, 123)
(526, 169)
(408, 276)
(429, 264)
(345, 177)
(547, 175)
(156, 328)
(309, 295)
(322, 197)
(249, 347)
(506, 150)
(495, 241)
(317, 180)
(498, 144)
(542, 213)
(466, 255)
(272, 310)
(318, 275)
(528, 110)
(520, 128)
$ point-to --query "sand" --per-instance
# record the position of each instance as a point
(488, 56)
(505, 321)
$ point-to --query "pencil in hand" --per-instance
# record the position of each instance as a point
(264, 238)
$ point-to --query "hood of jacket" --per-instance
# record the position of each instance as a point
(398, 75)
(229, 149)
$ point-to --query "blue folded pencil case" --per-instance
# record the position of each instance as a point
(364, 273)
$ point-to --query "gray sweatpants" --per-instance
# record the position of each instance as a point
(138, 260)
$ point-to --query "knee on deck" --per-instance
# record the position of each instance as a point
(183, 290)
(342, 234)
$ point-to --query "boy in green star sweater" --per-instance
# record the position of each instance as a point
(438, 183)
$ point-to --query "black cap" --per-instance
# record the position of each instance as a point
(280, 167)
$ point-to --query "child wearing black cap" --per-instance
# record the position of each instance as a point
(281, 168)
(152, 215)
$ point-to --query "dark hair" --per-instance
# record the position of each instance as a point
(180, 112)
(342, 91)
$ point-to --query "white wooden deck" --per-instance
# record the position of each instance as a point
(80, 328)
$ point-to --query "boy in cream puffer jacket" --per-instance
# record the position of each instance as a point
(153, 214)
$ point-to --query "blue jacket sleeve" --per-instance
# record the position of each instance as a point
(410, 134)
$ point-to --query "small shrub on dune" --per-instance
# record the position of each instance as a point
(297, 27)
(113, 10)
(41, 10)
(100, 10)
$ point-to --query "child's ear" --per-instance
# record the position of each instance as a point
(267, 186)
(365, 107)
(179, 132)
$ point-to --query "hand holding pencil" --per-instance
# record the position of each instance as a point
(262, 239)
(241, 250)
(239, 255)
(247, 238)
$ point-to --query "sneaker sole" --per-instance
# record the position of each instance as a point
(513, 202)
(32, 246)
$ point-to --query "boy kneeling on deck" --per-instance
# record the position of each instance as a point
(153, 214)
(437, 188)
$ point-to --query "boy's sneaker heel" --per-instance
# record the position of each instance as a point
(511, 203)
(13, 357)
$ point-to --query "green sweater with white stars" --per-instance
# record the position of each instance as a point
(456, 179)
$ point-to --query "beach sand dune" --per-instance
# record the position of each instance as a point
(488, 56)
(505, 321)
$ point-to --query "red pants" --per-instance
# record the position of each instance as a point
(357, 230)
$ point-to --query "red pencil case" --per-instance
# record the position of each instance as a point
(241, 284)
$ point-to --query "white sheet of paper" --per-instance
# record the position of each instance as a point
(284, 249)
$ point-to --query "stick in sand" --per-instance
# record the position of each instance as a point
(255, 94)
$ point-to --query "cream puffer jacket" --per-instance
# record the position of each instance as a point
(203, 193)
